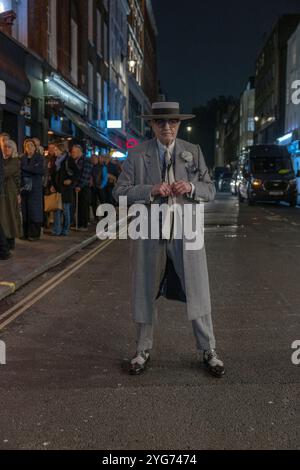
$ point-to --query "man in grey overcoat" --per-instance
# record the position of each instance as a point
(155, 172)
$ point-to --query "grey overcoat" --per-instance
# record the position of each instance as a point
(140, 172)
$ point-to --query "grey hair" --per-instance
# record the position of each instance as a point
(12, 143)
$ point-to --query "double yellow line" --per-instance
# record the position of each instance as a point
(14, 312)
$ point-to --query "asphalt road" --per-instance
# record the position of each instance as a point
(65, 384)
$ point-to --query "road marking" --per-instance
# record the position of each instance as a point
(11, 285)
(17, 310)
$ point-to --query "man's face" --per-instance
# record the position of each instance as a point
(76, 153)
(51, 150)
(165, 130)
(57, 152)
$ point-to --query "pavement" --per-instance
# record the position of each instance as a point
(65, 384)
(31, 259)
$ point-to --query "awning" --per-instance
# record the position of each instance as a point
(87, 130)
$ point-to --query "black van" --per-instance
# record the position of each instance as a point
(268, 175)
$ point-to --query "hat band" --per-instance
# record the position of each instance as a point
(166, 111)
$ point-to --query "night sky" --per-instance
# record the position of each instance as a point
(208, 48)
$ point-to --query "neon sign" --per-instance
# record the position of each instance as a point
(131, 143)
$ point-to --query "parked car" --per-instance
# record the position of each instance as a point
(225, 181)
(218, 171)
(268, 175)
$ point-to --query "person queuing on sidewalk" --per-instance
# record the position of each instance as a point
(98, 183)
(4, 250)
(10, 198)
(49, 168)
(82, 187)
(32, 172)
(38, 145)
(113, 175)
(65, 177)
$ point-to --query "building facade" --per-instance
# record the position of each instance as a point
(142, 76)
(292, 120)
(247, 116)
(232, 136)
(72, 66)
(118, 86)
(150, 82)
(270, 81)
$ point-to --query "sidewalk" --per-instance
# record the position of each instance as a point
(30, 259)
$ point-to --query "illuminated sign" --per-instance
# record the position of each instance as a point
(285, 138)
(114, 124)
(131, 143)
(57, 87)
(117, 154)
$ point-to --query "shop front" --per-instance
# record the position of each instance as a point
(16, 85)
(66, 113)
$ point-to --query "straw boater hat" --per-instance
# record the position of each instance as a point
(166, 110)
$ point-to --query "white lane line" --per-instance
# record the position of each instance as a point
(15, 311)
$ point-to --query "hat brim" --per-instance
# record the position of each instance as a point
(181, 117)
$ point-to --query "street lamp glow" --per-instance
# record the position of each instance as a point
(189, 129)
(256, 119)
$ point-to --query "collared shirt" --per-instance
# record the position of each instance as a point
(161, 152)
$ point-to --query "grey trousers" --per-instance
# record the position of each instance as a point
(202, 327)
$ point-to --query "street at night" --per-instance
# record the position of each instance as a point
(149, 233)
(66, 384)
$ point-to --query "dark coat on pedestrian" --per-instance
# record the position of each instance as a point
(32, 202)
(68, 171)
(85, 167)
(9, 206)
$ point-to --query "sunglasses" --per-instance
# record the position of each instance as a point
(163, 122)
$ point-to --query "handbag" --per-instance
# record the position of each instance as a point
(27, 185)
(53, 202)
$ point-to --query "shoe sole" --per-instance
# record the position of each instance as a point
(139, 371)
(214, 374)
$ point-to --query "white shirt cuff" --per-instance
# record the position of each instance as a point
(191, 194)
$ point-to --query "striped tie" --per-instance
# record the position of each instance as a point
(168, 177)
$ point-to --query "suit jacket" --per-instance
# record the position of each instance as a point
(141, 171)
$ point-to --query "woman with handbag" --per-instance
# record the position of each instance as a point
(32, 171)
(65, 176)
(10, 197)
